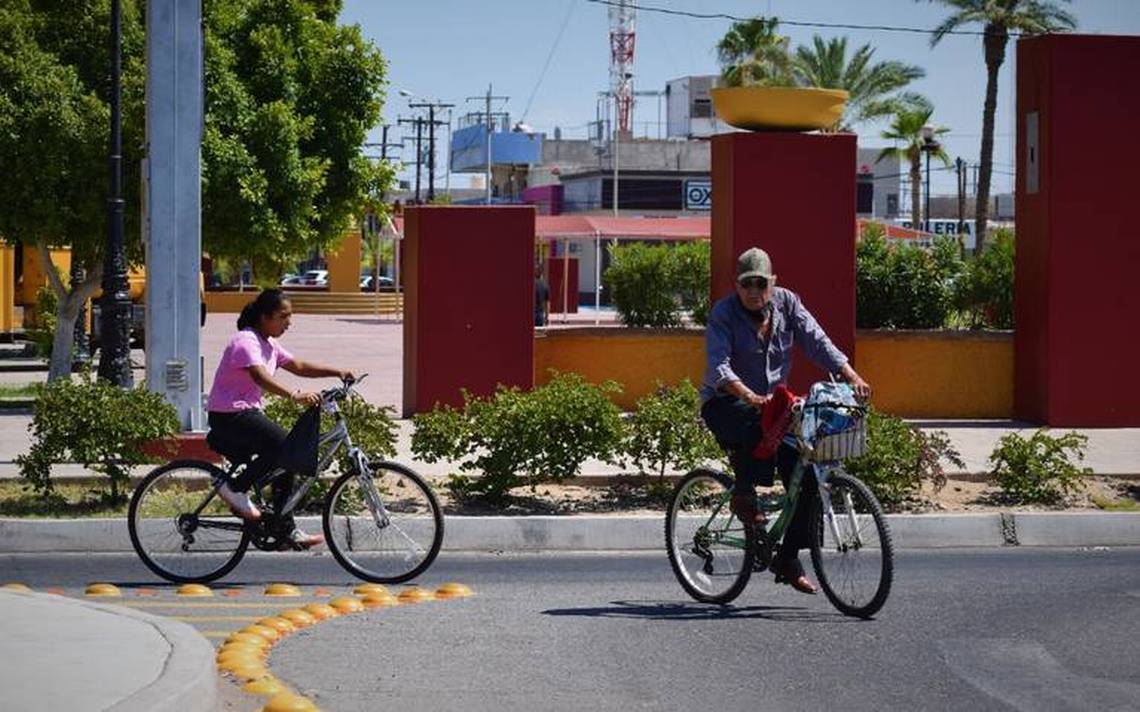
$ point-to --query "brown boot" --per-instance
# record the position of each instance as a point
(791, 572)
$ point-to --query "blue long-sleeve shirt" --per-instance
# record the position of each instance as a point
(735, 352)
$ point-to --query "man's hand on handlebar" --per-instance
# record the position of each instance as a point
(862, 388)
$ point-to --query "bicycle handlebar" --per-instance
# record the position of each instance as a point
(343, 391)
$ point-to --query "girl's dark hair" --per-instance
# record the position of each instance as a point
(266, 304)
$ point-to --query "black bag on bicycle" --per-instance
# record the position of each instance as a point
(299, 451)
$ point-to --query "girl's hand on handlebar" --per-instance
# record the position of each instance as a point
(305, 398)
(347, 376)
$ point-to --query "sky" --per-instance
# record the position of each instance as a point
(449, 50)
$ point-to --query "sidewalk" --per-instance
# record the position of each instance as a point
(62, 653)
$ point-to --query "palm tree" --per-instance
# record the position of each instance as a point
(1000, 17)
(912, 128)
(752, 54)
(870, 86)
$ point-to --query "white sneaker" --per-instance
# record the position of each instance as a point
(240, 504)
(302, 541)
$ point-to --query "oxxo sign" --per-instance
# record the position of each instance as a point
(698, 195)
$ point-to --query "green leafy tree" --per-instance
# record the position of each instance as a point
(984, 290)
(289, 97)
(54, 133)
(910, 127)
(999, 18)
(752, 54)
(874, 88)
(666, 429)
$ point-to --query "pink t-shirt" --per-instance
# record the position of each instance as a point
(233, 388)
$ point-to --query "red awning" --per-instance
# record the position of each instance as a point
(892, 231)
(557, 227)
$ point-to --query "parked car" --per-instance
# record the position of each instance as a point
(290, 280)
(386, 284)
(315, 278)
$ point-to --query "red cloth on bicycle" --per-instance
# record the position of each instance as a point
(775, 417)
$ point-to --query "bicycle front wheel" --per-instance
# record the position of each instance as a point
(851, 549)
(172, 537)
(384, 526)
(708, 547)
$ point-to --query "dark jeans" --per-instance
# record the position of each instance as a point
(251, 435)
(736, 425)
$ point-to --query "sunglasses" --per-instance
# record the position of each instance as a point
(760, 283)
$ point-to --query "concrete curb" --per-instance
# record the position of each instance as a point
(188, 681)
(637, 532)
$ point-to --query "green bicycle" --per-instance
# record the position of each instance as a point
(713, 554)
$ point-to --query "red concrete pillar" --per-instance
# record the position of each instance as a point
(469, 302)
(557, 268)
(792, 195)
(1078, 247)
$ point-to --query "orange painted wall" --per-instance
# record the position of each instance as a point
(915, 374)
(344, 263)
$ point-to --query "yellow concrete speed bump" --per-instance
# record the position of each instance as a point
(16, 586)
(415, 595)
(453, 590)
(270, 634)
(194, 589)
(380, 600)
(249, 672)
(282, 590)
(366, 589)
(259, 641)
(347, 604)
(233, 661)
(282, 625)
(289, 702)
(298, 617)
(321, 611)
(103, 589)
(265, 687)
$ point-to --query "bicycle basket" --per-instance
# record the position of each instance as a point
(849, 442)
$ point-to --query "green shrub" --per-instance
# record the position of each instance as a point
(692, 270)
(640, 280)
(900, 458)
(666, 429)
(96, 424)
(902, 286)
(518, 438)
(1039, 469)
(371, 426)
(43, 333)
(984, 292)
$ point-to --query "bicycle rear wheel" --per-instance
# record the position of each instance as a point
(708, 547)
(173, 540)
(852, 554)
(386, 526)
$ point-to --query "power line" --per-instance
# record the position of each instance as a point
(554, 47)
(793, 23)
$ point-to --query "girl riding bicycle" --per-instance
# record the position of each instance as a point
(239, 428)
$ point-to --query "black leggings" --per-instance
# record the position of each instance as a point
(251, 435)
(736, 425)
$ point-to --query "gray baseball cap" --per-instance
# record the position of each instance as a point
(753, 262)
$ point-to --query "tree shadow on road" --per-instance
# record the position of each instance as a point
(674, 611)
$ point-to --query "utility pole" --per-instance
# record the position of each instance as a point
(960, 166)
(419, 150)
(431, 123)
(489, 124)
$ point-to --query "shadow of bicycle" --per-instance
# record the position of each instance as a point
(674, 611)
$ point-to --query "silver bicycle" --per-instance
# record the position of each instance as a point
(381, 520)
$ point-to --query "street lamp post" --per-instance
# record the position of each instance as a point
(115, 359)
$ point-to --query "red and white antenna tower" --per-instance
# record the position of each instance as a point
(621, 61)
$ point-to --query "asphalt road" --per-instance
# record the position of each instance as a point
(1026, 629)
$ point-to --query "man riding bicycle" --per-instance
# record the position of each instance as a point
(748, 348)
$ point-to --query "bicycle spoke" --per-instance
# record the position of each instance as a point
(853, 553)
(706, 544)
